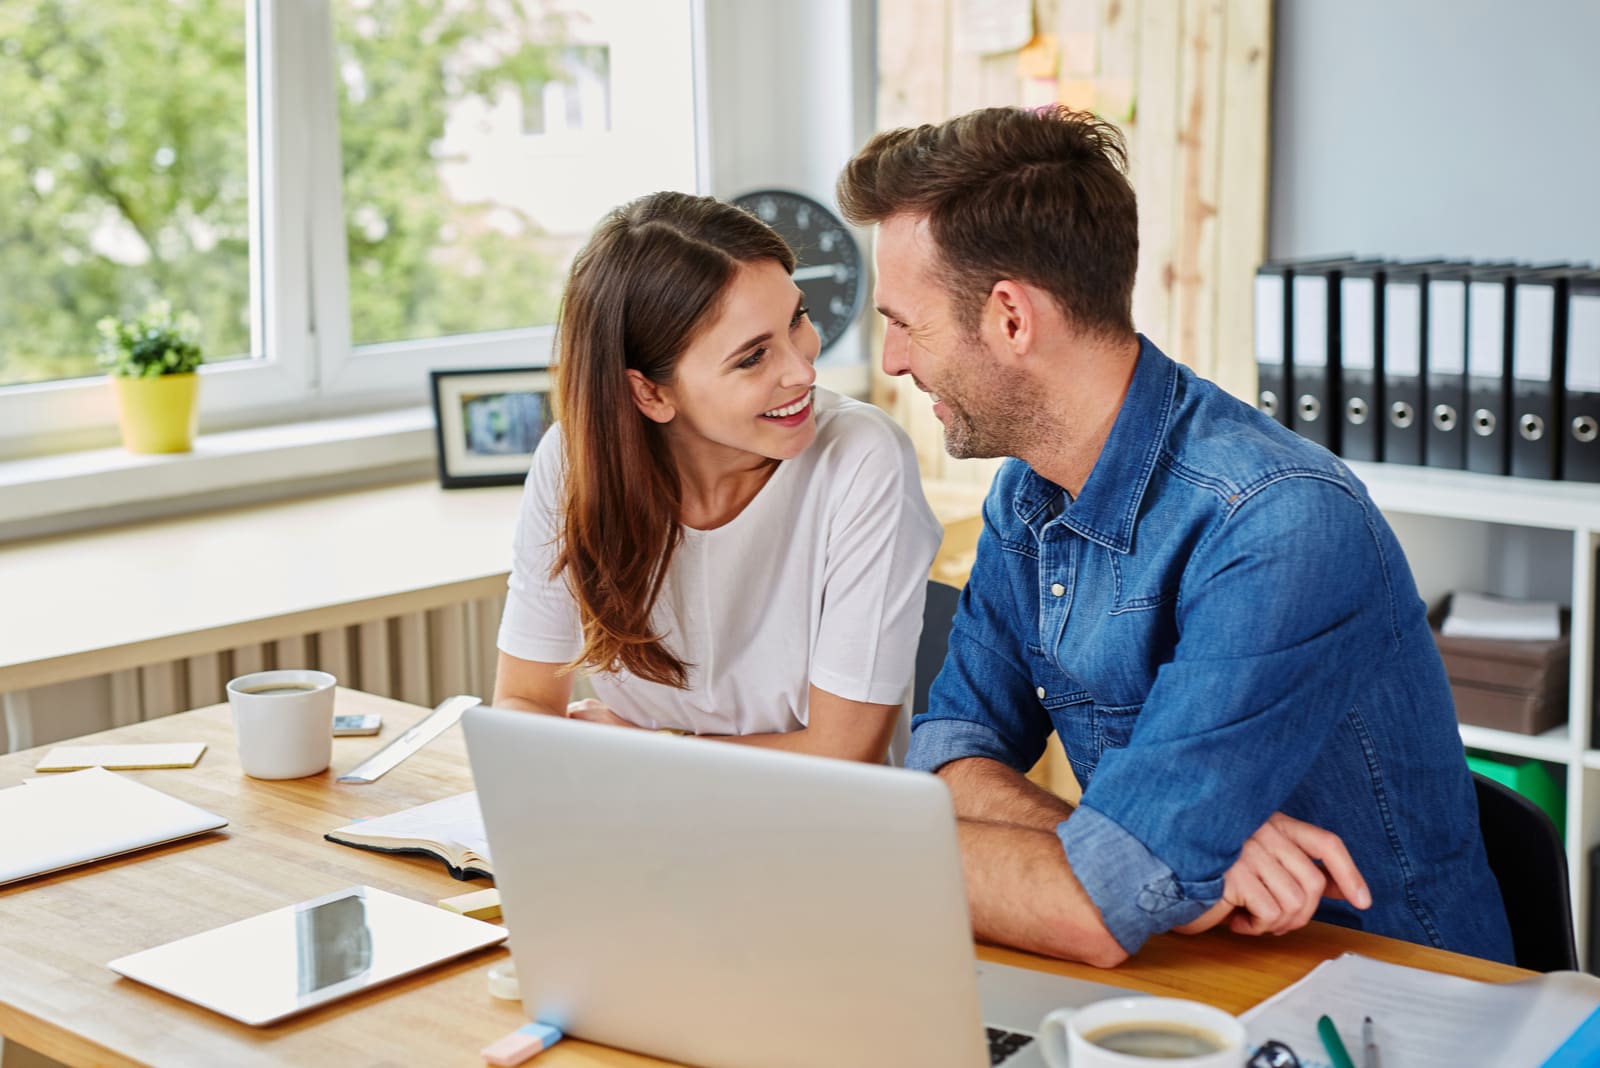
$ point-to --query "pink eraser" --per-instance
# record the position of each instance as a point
(520, 1044)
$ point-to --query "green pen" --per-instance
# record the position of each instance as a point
(1337, 1054)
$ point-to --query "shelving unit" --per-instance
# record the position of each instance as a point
(1476, 549)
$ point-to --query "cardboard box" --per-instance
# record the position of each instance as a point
(1518, 686)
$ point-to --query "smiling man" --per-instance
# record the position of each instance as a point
(1208, 609)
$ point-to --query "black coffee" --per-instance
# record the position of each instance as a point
(1150, 1038)
(282, 687)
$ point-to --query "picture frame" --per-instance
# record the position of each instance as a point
(487, 422)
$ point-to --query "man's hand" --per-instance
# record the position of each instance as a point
(1275, 886)
(593, 711)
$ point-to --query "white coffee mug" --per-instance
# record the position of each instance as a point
(283, 722)
(1135, 1032)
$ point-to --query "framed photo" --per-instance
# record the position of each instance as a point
(488, 423)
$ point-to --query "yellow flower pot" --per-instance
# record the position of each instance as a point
(157, 414)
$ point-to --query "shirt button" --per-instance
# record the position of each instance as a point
(1058, 589)
(1040, 692)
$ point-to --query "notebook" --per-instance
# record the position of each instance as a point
(82, 816)
(279, 963)
(450, 829)
(734, 907)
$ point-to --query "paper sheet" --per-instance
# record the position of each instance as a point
(1423, 1019)
(452, 819)
(1478, 615)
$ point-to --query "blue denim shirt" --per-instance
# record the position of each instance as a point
(1221, 625)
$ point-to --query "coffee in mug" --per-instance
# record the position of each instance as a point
(1128, 1031)
(283, 722)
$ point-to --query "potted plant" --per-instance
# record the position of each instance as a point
(151, 359)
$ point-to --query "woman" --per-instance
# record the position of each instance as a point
(729, 550)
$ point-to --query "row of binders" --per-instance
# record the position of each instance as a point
(1489, 367)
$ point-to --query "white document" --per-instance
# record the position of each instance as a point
(1479, 615)
(1423, 1019)
(57, 822)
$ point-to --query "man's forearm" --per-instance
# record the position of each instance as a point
(1022, 893)
(985, 789)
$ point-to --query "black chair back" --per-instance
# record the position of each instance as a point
(1529, 862)
(937, 614)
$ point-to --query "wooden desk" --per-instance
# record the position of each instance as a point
(57, 932)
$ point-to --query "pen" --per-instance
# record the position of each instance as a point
(1369, 1048)
(1338, 1056)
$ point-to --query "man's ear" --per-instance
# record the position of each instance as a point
(650, 398)
(1011, 318)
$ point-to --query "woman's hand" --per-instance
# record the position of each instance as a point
(592, 711)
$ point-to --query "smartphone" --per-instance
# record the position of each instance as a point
(368, 723)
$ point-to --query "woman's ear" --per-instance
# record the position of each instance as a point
(650, 398)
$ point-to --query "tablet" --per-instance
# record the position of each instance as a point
(286, 961)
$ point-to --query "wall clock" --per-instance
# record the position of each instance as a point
(828, 266)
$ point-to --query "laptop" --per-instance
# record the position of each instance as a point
(735, 907)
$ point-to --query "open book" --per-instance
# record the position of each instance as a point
(450, 829)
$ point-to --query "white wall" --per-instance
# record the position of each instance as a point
(1421, 127)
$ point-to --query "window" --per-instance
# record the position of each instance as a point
(348, 193)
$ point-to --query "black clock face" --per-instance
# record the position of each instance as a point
(828, 260)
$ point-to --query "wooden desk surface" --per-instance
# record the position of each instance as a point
(57, 931)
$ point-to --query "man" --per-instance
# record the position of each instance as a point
(1208, 609)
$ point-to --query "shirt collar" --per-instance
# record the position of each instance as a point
(1107, 508)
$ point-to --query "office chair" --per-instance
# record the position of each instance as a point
(1529, 862)
(938, 612)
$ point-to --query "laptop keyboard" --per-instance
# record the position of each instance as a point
(1002, 1044)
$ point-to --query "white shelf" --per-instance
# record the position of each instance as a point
(1554, 745)
(1483, 498)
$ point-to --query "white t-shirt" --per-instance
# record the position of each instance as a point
(821, 579)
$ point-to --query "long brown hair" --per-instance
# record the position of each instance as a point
(1039, 195)
(648, 281)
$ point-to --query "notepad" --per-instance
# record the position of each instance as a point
(1426, 1019)
(122, 757)
(450, 829)
(65, 820)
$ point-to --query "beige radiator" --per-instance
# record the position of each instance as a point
(420, 657)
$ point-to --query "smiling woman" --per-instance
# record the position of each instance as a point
(729, 549)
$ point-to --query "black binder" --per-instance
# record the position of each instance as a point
(1445, 366)
(1314, 352)
(1538, 372)
(1580, 447)
(1272, 340)
(1405, 301)
(1490, 321)
(1361, 363)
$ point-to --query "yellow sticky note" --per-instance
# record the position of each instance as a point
(1039, 57)
(122, 757)
(480, 904)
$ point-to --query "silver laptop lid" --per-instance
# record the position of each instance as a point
(727, 906)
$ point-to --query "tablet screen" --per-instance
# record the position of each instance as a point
(288, 960)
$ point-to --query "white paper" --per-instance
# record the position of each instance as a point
(1447, 327)
(989, 26)
(1355, 328)
(456, 820)
(1478, 615)
(1269, 319)
(1486, 345)
(1402, 329)
(1311, 321)
(1533, 340)
(1424, 1019)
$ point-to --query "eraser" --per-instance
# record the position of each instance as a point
(480, 904)
(521, 1044)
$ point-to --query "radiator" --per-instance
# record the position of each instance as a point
(420, 657)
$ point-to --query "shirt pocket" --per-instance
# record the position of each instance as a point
(1113, 726)
(1070, 708)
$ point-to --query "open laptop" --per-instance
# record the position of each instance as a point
(734, 907)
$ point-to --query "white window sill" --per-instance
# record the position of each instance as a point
(69, 491)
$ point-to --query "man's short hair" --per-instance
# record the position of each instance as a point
(1037, 195)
